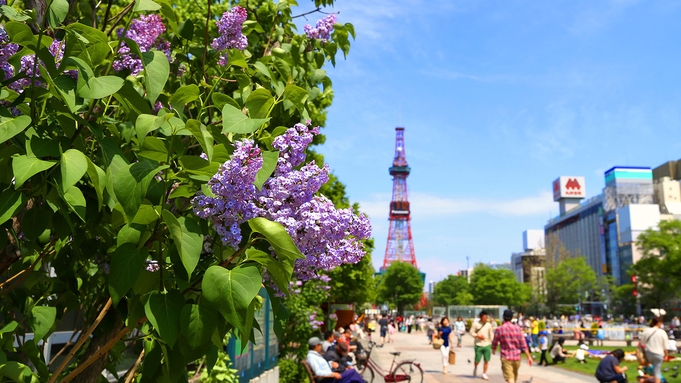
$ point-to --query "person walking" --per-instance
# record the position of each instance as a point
(410, 323)
(654, 341)
(430, 330)
(383, 324)
(482, 333)
(460, 330)
(445, 332)
(509, 338)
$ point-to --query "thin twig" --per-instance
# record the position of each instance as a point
(63, 349)
(119, 16)
(26, 272)
(205, 42)
(319, 9)
(131, 371)
(81, 341)
(106, 15)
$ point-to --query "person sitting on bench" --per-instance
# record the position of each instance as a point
(322, 368)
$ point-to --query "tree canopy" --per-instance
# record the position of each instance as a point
(497, 287)
(567, 279)
(401, 284)
(453, 290)
(659, 269)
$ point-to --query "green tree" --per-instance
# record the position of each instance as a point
(400, 284)
(567, 279)
(354, 282)
(497, 287)
(659, 269)
(453, 290)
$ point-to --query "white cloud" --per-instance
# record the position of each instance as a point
(427, 205)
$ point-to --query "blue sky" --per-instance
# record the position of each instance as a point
(498, 99)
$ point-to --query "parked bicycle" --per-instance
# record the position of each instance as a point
(400, 371)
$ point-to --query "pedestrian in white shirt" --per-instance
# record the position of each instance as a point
(655, 342)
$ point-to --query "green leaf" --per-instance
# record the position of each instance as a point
(281, 241)
(259, 103)
(42, 320)
(146, 215)
(283, 68)
(67, 88)
(169, 13)
(234, 121)
(100, 87)
(130, 186)
(25, 167)
(188, 238)
(154, 148)
(198, 323)
(156, 72)
(220, 100)
(163, 311)
(297, 95)
(203, 136)
(35, 222)
(10, 127)
(73, 166)
(281, 276)
(269, 163)
(146, 5)
(98, 179)
(20, 33)
(76, 201)
(186, 29)
(14, 14)
(236, 58)
(58, 11)
(11, 201)
(147, 123)
(231, 291)
(184, 95)
(19, 373)
(262, 68)
(129, 234)
(126, 264)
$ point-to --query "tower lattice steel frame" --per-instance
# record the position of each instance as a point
(400, 246)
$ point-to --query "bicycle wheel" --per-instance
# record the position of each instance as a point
(407, 372)
(367, 374)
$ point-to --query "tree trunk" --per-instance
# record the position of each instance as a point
(94, 371)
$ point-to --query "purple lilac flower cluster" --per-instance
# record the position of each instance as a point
(235, 194)
(328, 237)
(229, 27)
(8, 49)
(146, 31)
(322, 30)
(314, 322)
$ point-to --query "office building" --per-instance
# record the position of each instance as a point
(604, 228)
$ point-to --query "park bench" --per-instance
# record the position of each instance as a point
(314, 378)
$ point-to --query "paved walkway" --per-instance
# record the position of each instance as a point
(415, 346)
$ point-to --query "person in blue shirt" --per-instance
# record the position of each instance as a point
(445, 332)
(322, 368)
(609, 370)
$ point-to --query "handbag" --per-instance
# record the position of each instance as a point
(452, 357)
(437, 343)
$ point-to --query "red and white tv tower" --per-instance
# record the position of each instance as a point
(400, 247)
